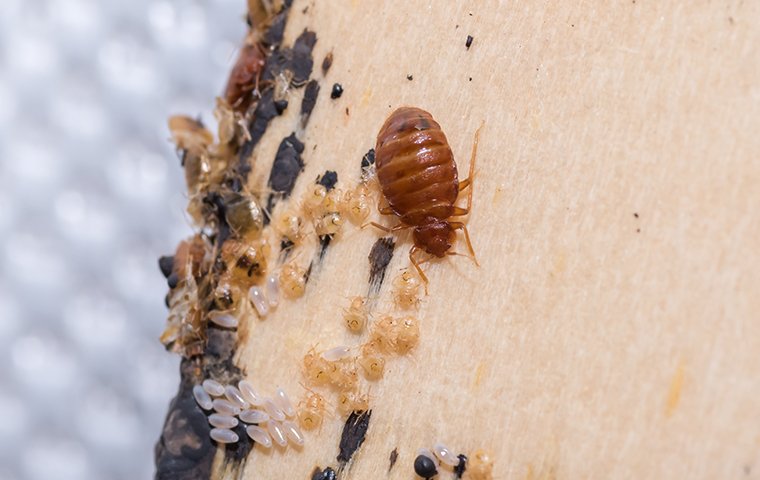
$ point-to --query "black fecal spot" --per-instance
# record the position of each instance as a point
(393, 458)
(219, 209)
(264, 113)
(410, 77)
(424, 466)
(636, 215)
(337, 91)
(353, 435)
(238, 451)
(309, 100)
(296, 60)
(172, 280)
(280, 106)
(324, 242)
(328, 180)
(166, 300)
(468, 42)
(379, 258)
(461, 466)
(327, 63)
(274, 34)
(368, 159)
(326, 474)
(287, 165)
(166, 264)
(185, 451)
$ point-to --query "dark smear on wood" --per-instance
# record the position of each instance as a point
(328, 179)
(379, 258)
(326, 474)
(468, 42)
(353, 435)
(309, 100)
(287, 165)
(393, 458)
(327, 63)
(166, 264)
(461, 466)
(298, 61)
(185, 450)
(324, 242)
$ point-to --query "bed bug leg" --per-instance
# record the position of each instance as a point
(398, 227)
(416, 264)
(385, 210)
(467, 182)
(463, 227)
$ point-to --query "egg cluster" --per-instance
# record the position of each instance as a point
(268, 419)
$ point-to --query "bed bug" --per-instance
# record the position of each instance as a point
(419, 180)
(355, 316)
(312, 410)
(406, 288)
(245, 75)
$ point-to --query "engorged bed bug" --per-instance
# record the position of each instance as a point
(418, 178)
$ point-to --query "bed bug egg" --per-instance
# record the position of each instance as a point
(225, 407)
(293, 432)
(260, 303)
(372, 363)
(212, 387)
(292, 280)
(444, 455)
(202, 397)
(283, 402)
(406, 288)
(223, 319)
(253, 416)
(337, 353)
(355, 316)
(273, 410)
(273, 290)
(425, 465)
(259, 435)
(235, 396)
(222, 421)
(250, 394)
(277, 433)
(479, 466)
(222, 435)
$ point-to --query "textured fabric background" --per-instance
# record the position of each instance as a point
(91, 193)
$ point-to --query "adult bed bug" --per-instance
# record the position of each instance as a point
(418, 178)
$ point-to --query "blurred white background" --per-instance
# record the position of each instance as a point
(91, 193)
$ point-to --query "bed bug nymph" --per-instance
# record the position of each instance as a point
(418, 177)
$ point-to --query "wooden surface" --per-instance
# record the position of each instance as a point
(613, 328)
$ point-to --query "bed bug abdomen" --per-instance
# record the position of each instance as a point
(415, 167)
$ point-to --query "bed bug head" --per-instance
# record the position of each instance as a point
(435, 237)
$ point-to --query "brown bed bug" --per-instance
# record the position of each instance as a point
(245, 75)
(418, 178)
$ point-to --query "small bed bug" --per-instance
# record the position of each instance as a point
(418, 178)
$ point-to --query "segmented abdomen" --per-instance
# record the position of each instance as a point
(415, 166)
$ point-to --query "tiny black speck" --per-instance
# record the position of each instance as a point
(280, 106)
(410, 77)
(337, 91)
(470, 78)
(468, 42)
(425, 467)
(461, 466)
(636, 215)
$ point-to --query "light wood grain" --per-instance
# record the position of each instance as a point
(590, 343)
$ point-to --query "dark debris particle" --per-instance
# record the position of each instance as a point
(424, 466)
(309, 101)
(172, 280)
(368, 159)
(280, 106)
(287, 165)
(468, 42)
(353, 435)
(379, 258)
(410, 77)
(461, 466)
(636, 215)
(265, 111)
(297, 60)
(470, 78)
(326, 474)
(337, 91)
(327, 63)
(393, 458)
(166, 265)
(328, 179)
